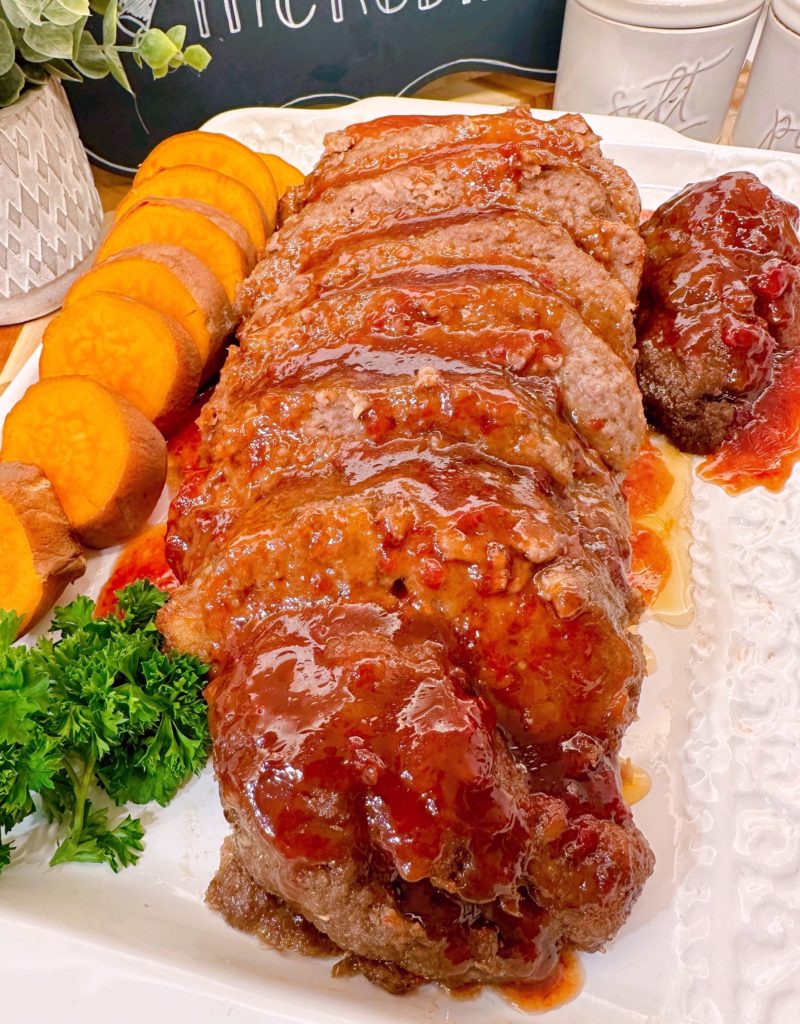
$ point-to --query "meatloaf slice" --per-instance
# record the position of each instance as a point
(375, 147)
(409, 199)
(534, 249)
(465, 319)
(485, 554)
(262, 437)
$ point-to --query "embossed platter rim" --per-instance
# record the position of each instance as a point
(713, 938)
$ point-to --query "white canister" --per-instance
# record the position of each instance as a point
(673, 61)
(770, 113)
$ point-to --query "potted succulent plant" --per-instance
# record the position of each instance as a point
(50, 212)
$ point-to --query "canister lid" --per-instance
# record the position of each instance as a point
(677, 14)
(788, 11)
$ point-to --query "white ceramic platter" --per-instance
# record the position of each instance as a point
(715, 938)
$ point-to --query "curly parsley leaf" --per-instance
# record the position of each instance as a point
(97, 704)
(94, 842)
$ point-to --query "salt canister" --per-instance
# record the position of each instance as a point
(674, 61)
(770, 113)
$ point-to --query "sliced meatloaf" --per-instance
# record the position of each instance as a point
(407, 199)
(279, 430)
(363, 150)
(465, 319)
(533, 249)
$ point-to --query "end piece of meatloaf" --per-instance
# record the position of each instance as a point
(404, 554)
(720, 306)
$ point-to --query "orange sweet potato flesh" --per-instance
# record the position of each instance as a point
(105, 459)
(212, 236)
(131, 349)
(40, 554)
(171, 280)
(220, 153)
(284, 174)
(191, 181)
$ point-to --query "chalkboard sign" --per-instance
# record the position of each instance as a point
(307, 52)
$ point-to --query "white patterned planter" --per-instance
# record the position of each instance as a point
(50, 212)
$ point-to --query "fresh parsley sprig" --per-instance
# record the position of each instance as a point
(99, 706)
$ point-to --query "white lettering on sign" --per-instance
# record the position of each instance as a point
(284, 9)
(137, 14)
(232, 12)
(337, 9)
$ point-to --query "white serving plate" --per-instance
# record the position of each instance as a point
(715, 938)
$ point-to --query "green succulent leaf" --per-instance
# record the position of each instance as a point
(7, 48)
(110, 24)
(63, 69)
(66, 12)
(13, 14)
(22, 13)
(49, 40)
(196, 57)
(91, 59)
(36, 74)
(117, 69)
(156, 48)
(177, 35)
(11, 85)
(53, 37)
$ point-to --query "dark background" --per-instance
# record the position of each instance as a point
(363, 54)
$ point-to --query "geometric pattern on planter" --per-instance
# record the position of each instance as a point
(50, 211)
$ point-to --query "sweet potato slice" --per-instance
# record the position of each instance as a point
(284, 174)
(220, 153)
(212, 236)
(190, 181)
(40, 554)
(105, 459)
(131, 349)
(170, 279)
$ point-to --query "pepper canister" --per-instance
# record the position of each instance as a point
(770, 113)
(673, 61)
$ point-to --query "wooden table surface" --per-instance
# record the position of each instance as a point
(18, 341)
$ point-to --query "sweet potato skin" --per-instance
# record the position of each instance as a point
(57, 556)
(139, 488)
(153, 220)
(204, 185)
(130, 367)
(208, 317)
(78, 432)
